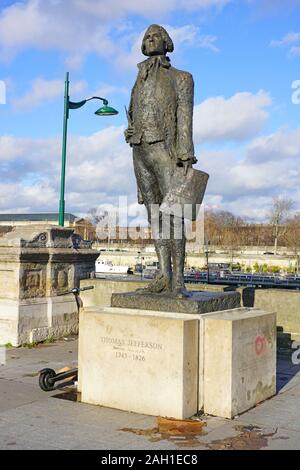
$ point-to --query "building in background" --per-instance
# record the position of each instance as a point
(85, 229)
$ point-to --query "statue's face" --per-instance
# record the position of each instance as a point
(154, 42)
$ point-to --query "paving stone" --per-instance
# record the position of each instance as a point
(14, 394)
(284, 441)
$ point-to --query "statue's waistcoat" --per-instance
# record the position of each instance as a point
(161, 107)
(153, 108)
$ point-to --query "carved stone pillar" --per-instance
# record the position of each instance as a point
(37, 265)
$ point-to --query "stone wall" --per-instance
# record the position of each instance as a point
(103, 290)
(285, 302)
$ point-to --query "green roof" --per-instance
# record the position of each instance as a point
(51, 217)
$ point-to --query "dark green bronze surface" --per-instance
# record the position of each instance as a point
(195, 303)
(160, 132)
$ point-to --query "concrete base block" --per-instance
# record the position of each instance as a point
(140, 361)
(25, 321)
(239, 360)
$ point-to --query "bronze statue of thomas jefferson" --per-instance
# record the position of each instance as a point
(160, 120)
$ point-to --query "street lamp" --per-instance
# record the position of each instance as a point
(207, 262)
(104, 111)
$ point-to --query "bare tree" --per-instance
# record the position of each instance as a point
(292, 237)
(225, 229)
(96, 215)
(231, 227)
(211, 228)
(278, 215)
(104, 221)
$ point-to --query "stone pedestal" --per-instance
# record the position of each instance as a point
(196, 303)
(239, 362)
(174, 364)
(140, 361)
(37, 265)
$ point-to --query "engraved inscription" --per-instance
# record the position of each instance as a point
(131, 349)
(132, 343)
(131, 356)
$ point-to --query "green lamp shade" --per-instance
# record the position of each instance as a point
(106, 111)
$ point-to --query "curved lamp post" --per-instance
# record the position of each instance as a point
(104, 111)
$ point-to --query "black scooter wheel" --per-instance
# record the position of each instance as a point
(44, 380)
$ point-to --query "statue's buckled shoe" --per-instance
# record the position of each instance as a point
(158, 285)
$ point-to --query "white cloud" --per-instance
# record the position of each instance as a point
(246, 188)
(264, 8)
(79, 27)
(74, 61)
(48, 24)
(101, 161)
(8, 149)
(238, 118)
(15, 197)
(294, 51)
(45, 90)
(283, 146)
(279, 146)
(99, 168)
(105, 90)
(245, 180)
(289, 40)
(208, 42)
(267, 178)
(270, 163)
(146, 8)
(14, 151)
(252, 208)
(195, 4)
(190, 34)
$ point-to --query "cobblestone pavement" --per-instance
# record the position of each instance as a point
(33, 419)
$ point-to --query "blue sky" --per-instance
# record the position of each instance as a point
(244, 56)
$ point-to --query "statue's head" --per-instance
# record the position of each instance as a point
(156, 41)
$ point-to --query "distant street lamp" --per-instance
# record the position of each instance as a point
(141, 259)
(104, 111)
(207, 261)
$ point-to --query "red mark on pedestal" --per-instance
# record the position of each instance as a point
(260, 345)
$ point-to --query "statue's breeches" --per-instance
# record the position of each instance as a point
(153, 168)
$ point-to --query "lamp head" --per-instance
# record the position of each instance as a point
(106, 111)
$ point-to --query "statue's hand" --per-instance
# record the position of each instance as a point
(186, 161)
(186, 164)
(128, 133)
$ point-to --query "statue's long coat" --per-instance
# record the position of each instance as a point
(164, 112)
